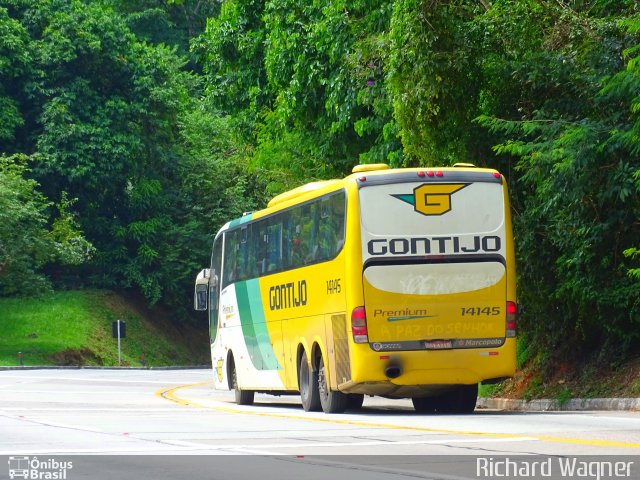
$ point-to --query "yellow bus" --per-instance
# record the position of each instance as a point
(391, 282)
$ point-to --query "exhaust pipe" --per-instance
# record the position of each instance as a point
(393, 368)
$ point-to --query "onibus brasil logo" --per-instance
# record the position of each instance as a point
(432, 198)
(35, 469)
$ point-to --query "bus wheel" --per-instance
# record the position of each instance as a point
(308, 384)
(462, 400)
(354, 401)
(425, 404)
(332, 402)
(243, 397)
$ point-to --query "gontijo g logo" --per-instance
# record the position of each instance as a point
(432, 198)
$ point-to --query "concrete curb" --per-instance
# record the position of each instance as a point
(547, 405)
(89, 367)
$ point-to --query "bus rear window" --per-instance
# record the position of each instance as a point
(415, 209)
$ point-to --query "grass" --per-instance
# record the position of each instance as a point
(543, 375)
(74, 328)
(487, 391)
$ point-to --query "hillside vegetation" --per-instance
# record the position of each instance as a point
(74, 328)
(130, 131)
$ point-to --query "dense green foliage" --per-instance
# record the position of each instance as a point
(113, 121)
(552, 88)
(30, 239)
(164, 119)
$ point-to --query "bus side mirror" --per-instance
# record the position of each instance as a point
(200, 298)
(201, 290)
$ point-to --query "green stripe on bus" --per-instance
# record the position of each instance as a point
(254, 327)
(247, 325)
(240, 221)
(269, 360)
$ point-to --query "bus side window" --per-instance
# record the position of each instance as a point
(294, 233)
(326, 234)
(288, 237)
(310, 238)
(241, 254)
(338, 210)
(274, 246)
(259, 248)
(230, 273)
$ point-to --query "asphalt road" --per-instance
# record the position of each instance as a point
(176, 412)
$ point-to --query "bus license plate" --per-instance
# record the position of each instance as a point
(438, 344)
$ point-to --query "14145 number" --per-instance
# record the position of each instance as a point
(480, 311)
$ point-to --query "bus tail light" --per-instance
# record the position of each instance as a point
(512, 317)
(359, 325)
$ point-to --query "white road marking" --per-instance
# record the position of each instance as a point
(389, 443)
(82, 379)
(75, 410)
(71, 451)
(66, 392)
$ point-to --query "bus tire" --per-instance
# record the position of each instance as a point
(462, 400)
(355, 401)
(331, 401)
(425, 404)
(243, 397)
(308, 385)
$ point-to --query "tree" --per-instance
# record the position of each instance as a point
(305, 84)
(14, 60)
(571, 137)
(215, 186)
(29, 237)
(100, 112)
(170, 22)
(553, 88)
(433, 80)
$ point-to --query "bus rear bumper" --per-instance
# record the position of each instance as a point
(429, 372)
